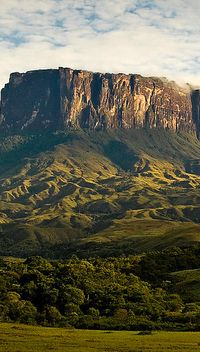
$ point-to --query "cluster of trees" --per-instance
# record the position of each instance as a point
(113, 293)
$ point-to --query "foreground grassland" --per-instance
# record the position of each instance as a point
(15, 338)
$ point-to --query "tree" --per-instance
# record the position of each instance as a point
(69, 294)
(52, 315)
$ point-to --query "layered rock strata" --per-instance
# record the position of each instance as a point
(64, 98)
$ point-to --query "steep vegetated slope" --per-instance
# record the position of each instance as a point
(98, 192)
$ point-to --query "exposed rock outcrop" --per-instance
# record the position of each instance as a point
(63, 98)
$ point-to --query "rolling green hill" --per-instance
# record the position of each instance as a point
(98, 193)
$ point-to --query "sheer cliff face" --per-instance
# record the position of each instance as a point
(196, 110)
(30, 101)
(56, 99)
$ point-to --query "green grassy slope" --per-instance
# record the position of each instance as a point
(22, 338)
(116, 191)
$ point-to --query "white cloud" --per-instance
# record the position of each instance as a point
(158, 37)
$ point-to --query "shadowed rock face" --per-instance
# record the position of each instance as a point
(196, 110)
(30, 101)
(56, 99)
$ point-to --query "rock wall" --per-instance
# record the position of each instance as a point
(30, 101)
(63, 98)
(196, 110)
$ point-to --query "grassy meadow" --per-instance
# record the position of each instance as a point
(22, 338)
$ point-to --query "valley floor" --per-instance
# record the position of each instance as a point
(15, 338)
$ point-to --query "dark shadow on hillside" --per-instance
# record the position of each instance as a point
(121, 155)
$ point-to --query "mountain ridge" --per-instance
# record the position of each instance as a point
(64, 98)
(91, 192)
(90, 164)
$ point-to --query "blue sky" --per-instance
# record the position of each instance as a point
(150, 37)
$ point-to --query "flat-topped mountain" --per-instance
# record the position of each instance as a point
(89, 164)
(64, 98)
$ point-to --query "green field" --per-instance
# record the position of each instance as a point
(22, 338)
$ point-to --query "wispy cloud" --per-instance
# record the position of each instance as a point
(157, 37)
